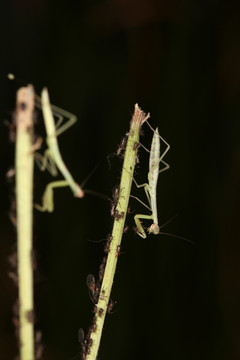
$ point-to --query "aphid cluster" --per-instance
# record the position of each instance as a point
(93, 286)
(118, 215)
(94, 290)
(85, 343)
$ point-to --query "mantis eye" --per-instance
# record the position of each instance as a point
(154, 228)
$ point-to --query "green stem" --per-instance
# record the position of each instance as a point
(24, 190)
(122, 205)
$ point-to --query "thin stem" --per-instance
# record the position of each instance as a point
(139, 117)
(24, 190)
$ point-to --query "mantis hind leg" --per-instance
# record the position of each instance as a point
(47, 199)
(61, 114)
(140, 230)
(167, 166)
(46, 162)
(146, 189)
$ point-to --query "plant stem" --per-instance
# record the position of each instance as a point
(139, 117)
(24, 190)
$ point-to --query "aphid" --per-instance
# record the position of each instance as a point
(94, 327)
(110, 306)
(93, 288)
(122, 147)
(101, 271)
(118, 251)
(90, 342)
(114, 201)
(30, 316)
(80, 336)
(91, 284)
(10, 174)
(137, 160)
(102, 295)
(100, 312)
(136, 146)
(100, 274)
(108, 243)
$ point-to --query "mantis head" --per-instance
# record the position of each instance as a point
(154, 228)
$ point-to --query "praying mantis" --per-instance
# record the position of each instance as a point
(52, 159)
(150, 188)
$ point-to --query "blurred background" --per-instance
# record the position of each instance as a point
(180, 61)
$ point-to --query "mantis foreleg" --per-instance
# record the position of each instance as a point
(47, 199)
(138, 223)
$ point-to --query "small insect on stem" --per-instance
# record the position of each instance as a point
(52, 159)
(122, 147)
(100, 312)
(114, 200)
(118, 216)
(136, 146)
(118, 251)
(108, 243)
(110, 306)
(93, 288)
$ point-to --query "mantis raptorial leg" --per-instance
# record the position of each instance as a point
(150, 188)
(52, 159)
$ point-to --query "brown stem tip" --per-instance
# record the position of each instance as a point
(139, 117)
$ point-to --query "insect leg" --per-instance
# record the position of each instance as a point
(138, 223)
(47, 199)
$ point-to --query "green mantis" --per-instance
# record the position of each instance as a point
(52, 159)
(150, 188)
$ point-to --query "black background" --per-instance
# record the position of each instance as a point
(180, 61)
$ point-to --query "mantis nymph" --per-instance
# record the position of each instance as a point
(150, 188)
(52, 159)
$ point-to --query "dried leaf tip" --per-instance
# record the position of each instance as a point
(139, 117)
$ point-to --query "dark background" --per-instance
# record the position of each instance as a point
(180, 60)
